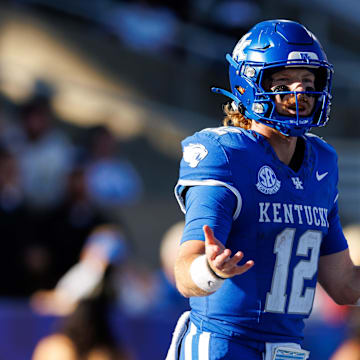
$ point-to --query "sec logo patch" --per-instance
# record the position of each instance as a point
(267, 181)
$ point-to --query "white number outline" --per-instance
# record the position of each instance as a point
(304, 270)
(276, 298)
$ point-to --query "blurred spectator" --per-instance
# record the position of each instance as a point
(15, 227)
(106, 245)
(234, 16)
(45, 157)
(327, 321)
(142, 292)
(41, 245)
(168, 300)
(231, 17)
(149, 298)
(11, 193)
(332, 321)
(67, 226)
(142, 26)
(158, 296)
(349, 349)
(85, 295)
(27, 258)
(12, 136)
(112, 180)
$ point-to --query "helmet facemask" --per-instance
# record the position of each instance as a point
(269, 47)
(297, 124)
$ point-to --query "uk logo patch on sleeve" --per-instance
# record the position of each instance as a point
(194, 153)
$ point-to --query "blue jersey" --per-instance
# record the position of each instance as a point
(282, 219)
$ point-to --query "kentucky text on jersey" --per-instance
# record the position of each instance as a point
(293, 214)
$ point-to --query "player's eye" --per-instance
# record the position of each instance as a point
(282, 79)
(308, 80)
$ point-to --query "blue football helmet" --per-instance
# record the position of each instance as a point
(266, 48)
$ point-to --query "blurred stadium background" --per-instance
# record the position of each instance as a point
(144, 70)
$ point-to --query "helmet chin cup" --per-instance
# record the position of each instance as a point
(268, 47)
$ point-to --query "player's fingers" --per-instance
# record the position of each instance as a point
(221, 260)
(235, 259)
(212, 251)
(243, 268)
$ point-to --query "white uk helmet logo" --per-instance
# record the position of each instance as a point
(303, 55)
(267, 181)
(194, 153)
(238, 52)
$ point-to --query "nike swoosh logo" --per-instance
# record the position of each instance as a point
(319, 177)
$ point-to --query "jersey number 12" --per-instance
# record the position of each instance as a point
(300, 302)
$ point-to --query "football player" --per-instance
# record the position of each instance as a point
(260, 198)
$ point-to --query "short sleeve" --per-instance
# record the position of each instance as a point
(204, 162)
(208, 205)
(203, 158)
(335, 240)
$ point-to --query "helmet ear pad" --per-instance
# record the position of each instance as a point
(321, 79)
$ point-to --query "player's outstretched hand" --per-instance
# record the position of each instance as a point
(220, 259)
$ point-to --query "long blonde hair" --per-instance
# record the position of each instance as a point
(235, 118)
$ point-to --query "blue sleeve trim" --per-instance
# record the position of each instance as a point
(183, 184)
